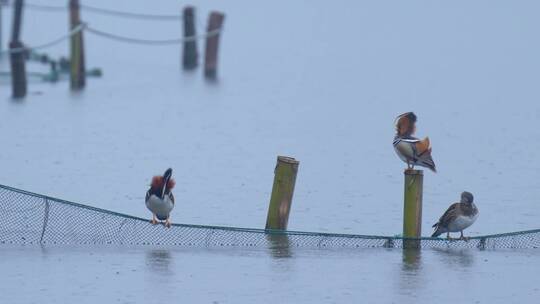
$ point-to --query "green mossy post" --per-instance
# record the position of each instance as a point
(77, 71)
(282, 193)
(412, 207)
(189, 60)
(215, 22)
(17, 58)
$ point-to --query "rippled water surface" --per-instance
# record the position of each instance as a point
(316, 80)
(138, 275)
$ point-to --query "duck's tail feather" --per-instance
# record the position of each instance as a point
(438, 231)
(161, 217)
(427, 161)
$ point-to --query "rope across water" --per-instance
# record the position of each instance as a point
(103, 11)
(109, 35)
(104, 34)
(151, 42)
(56, 41)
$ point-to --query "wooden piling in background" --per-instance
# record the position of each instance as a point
(412, 207)
(215, 23)
(77, 71)
(16, 56)
(282, 193)
(189, 60)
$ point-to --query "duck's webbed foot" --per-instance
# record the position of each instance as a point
(153, 221)
(449, 238)
(464, 238)
(168, 223)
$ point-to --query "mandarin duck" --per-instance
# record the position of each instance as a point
(159, 198)
(410, 149)
(458, 217)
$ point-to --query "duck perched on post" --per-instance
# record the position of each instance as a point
(412, 150)
(159, 198)
(458, 217)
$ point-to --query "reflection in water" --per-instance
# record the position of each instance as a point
(280, 245)
(412, 259)
(159, 260)
(453, 257)
(410, 277)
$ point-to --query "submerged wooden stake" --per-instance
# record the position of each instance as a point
(282, 193)
(412, 207)
(78, 77)
(189, 60)
(17, 57)
(215, 22)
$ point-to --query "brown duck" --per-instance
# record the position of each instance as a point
(458, 217)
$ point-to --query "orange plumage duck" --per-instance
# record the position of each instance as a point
(159, 198)
(411, 150)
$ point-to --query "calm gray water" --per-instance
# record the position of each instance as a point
(121, 275)
(320, 81)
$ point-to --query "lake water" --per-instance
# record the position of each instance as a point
(316, 80)
(135, 275)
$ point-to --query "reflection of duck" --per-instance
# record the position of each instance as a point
(458, 217)
(412, 150)
(159, 261)
(159, 198)
(453, 256)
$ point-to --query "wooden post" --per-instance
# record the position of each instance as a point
(189, 60)
(282, 193)
(215, 22)
(78, 75)
(412, 208)
(16, 56)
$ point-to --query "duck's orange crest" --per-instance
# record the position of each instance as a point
(406, 124)
(157, 182)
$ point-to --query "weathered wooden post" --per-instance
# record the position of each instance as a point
(189, 60)
(412, 208)
(78, 75)
(215, 22)
(17, 54)
(282, 193)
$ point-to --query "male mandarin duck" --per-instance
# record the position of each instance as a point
(159, 198)
(412, 150)
(458, 217)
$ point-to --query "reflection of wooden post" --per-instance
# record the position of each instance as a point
(412, 259)
(77, 48)
(215, 22)
(412, 208)
(17, 56)
(282, 193)
(189, 60)
(279, 244)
